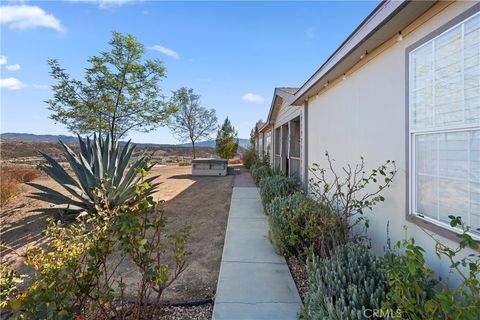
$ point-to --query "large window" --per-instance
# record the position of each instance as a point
(444, 98)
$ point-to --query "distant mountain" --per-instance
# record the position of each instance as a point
(29, 137)
(71, 140)
(211, 143)
(38, 137)
(24, 145)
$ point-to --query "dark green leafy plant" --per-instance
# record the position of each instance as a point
(277, 186)
(299, 226)
(260, 171)
(351, 192)
(412, 284)
(101, 164)
(348, 285)
(264, 160)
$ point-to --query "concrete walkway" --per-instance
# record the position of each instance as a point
(254, 282)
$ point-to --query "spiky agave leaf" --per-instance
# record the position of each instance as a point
(99, 164)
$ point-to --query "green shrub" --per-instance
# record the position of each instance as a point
(347, 286)
(260, 171)
(299, 225)
(277, 186)
(75, 271)
(412, 284)
(249, 157)
(264, 159)
(9, 280)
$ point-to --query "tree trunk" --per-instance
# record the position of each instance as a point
(193, 148)
(112, 132)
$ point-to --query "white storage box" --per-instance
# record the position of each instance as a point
(209, 167)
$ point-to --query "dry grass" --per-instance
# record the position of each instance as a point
(11, 178)
(201, 202)
(235, 161)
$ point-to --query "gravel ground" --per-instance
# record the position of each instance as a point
(165, 312)
(299, 274)
(202, 312)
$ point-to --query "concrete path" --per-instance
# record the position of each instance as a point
(254, 282)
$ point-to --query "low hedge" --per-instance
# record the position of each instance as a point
(299, 225)
(349, 285)
(260, 171)
(277, 186)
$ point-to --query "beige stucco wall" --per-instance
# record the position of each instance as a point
(364, 115)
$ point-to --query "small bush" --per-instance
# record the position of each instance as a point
(412, 284)
(299, 225)
(344, 286)
(235, 161)
(351, 191)
(249, 157)
(75, 272)
(277, 186)
(9, 279)
(260, 171)
(11, 178)
(8, 189)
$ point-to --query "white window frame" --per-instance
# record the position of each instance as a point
(413, 133)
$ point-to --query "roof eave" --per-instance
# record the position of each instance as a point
(378, 18)
(277, 92)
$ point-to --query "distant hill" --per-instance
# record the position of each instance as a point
(38, 137)
(71, 140)
(26, 147)
(244, 143)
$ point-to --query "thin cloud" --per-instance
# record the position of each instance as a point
(251, 97)
(310, 33)
(13, 67)
(12, 84)
(25, 17)
(166, 51)
(3, 59)
(103, 4)
(40, 86)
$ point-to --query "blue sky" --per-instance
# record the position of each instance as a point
(231, 53)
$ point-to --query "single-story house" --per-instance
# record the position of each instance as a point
(281, 135)
(404, 86)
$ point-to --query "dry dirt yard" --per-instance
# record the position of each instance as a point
(201, 202)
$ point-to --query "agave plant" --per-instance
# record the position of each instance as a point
(100, 164)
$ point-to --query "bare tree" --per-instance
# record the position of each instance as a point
(191, 121)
